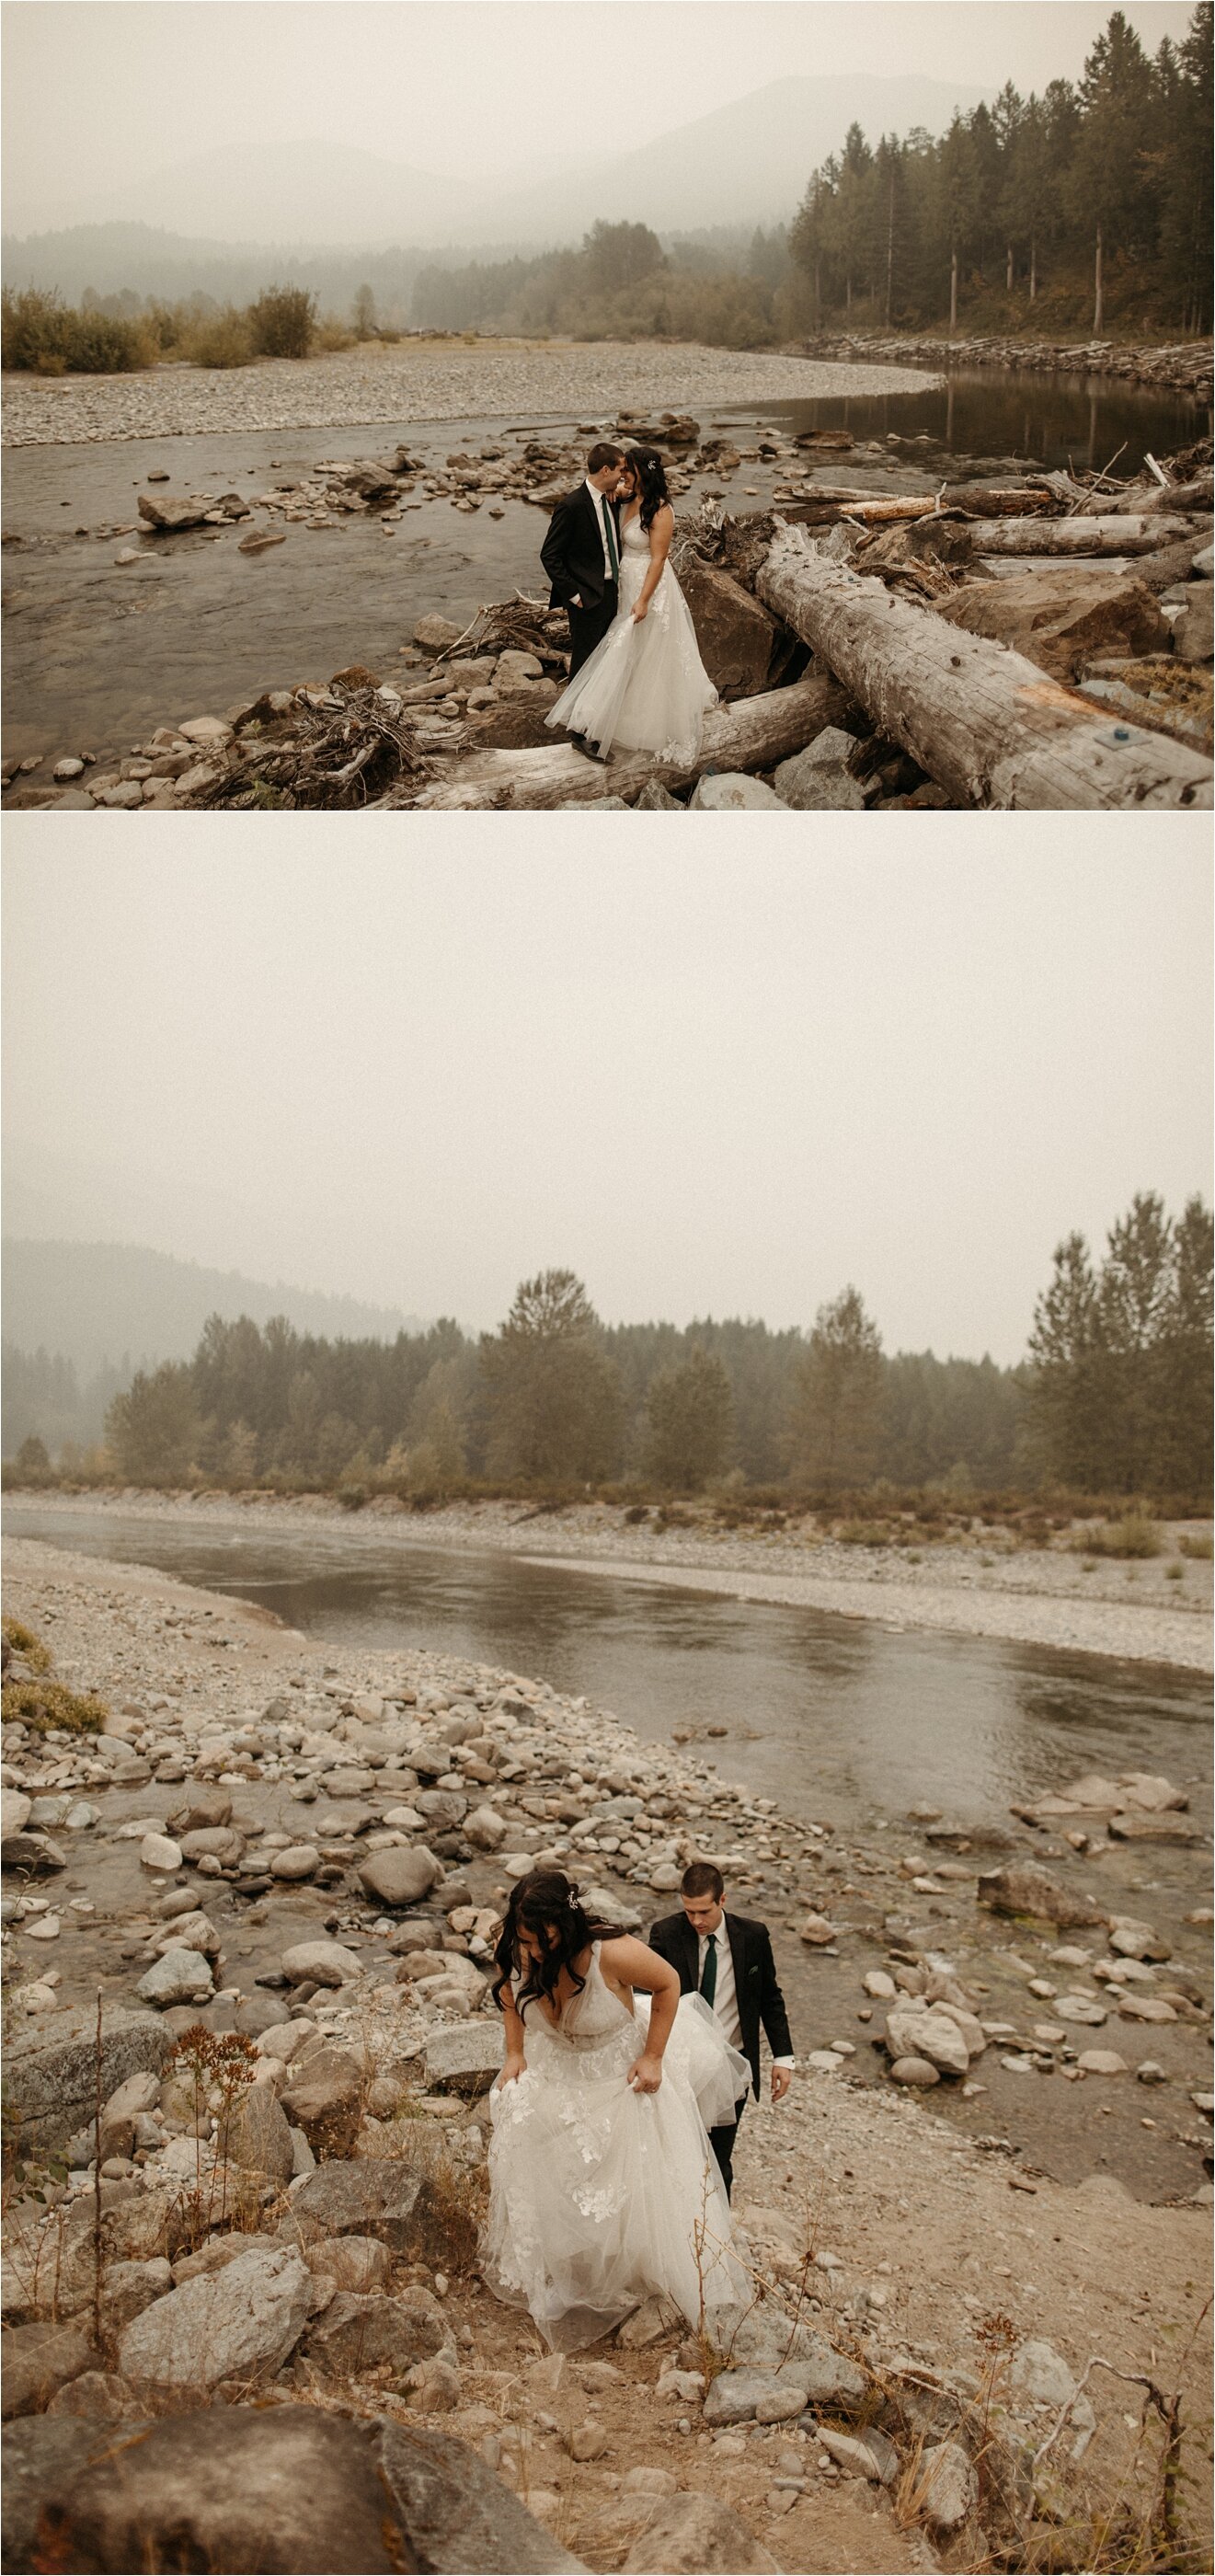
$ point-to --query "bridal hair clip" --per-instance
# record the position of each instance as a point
(574, 1892)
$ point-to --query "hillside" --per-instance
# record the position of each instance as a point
(96, 1302)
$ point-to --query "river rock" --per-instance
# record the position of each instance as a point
(733, 792)
(1101, 2061)
(38, 2360)
(1138, 1828)
(358, 2263)
(1132, 1939)
(320, 1963)
(435, 634)
(916, 2071)
(166, 513)
(867, 2455)
(240, 2323)
(354, 2497)
(697, 2535)
(362, 2196)
(51, 2075)
(737, 636)
(299, 1861)
(656, 799)
(465, 2061)
(207, 1806)
(14, 1812)
(1060, 618)
(1024, 1887)
(156, 1851)
(214, 1842)
(128, 2103)
(189, 1931)
(927, 2034)
(818, 780)
(257, 2136)
(485, 1829)
(401, 1877)
(178, 1977)
(358, 2333)
(324, 2099)
(33, 1853)
(129, 2288)
(948, 2486)
(1079, 2008)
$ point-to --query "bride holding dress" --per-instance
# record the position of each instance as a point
(604, 2190)
(644, 687)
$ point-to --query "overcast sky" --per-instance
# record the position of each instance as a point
(728, 1083)
(101, 94)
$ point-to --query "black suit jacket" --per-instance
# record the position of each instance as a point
(572, 552)
(760, 2001)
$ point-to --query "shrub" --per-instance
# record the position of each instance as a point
(221, 340)
(282, 322)
(331, 334)
(43, 1704)
(44, 337)
(1132, 1537)
(863, 1534)
(99, 344)
(33, 330)
(1202, 1546)
(25, 1643)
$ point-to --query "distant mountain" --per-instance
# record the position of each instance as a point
(748, 162)
(93, 1303)
(745, 163)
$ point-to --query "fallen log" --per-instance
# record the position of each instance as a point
(753, 733)
(1079, 536)
(988, 725)
(875, 508)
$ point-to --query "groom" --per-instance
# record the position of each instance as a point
(728, 1959)
(581, 553)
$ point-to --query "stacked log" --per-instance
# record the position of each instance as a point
(988, 725)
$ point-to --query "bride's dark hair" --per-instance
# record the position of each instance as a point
(647, 465)
(543, 1902)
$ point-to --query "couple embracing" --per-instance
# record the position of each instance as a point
(626, 2072)
(637, 682)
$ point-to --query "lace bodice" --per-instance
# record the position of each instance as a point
(634, 536)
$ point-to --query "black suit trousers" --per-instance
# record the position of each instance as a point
(722, 2143)
(588, 626)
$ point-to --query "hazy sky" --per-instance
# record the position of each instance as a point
(99, 94)
(725, 1083)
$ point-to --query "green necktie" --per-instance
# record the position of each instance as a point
(708, 1974)
(610, 534)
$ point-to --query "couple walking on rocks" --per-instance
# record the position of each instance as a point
(626, 2072)
(637, 682)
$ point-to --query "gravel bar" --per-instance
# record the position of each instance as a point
(425, 380)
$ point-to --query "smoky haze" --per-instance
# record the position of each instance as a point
(706, 1088)
(507, 123)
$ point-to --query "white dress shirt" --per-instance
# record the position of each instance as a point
(725, 1998)
(600, 503)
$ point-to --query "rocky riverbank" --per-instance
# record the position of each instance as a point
(305, 1849)
(1183, 366)
(425, 380)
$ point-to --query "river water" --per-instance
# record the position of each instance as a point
(834, 1716)
(97, 655)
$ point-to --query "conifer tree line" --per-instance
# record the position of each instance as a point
(1108, 179)
(1113, 1397)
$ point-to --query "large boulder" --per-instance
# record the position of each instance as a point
(37, 2361)
(239, 2323)
(51, 2075)
(179, 1976)
(361, 2196)
(818, 779)
(280, 2491)
(357, 2334)
(736, 634)
(324, 2098)
(466, 2060)
(732, 792)
(257, 2136)
(1024, 1887)
(320, 1963)
(1060, 618)
(697, 2535)
(912, 2033)
(400, 1876)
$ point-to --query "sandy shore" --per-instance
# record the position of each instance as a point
(427, 380)
(975, 1588)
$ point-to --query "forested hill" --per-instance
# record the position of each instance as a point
(95, 1302)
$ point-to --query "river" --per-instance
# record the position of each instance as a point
(838, 1716)
(97, 655)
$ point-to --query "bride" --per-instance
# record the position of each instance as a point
(644, 687)
(604, 2190)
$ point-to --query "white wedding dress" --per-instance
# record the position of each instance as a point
(644, 687)
(600, 2196)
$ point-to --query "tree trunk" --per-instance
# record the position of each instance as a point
(987, 724)
(953, 288)
(1008, 270)
(753, 733)
(818, 293)
(1033, 268)
(890, 251)
(848, 294)
(1098, 307)
(1109, 535)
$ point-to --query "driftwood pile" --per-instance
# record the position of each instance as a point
(981, 646)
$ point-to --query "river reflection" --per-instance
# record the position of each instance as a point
(822, 1713)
